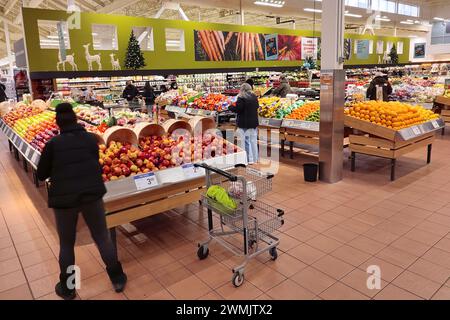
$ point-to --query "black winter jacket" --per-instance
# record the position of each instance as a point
(247, 112)
(130, 92)
(70, 160)
(372, 90)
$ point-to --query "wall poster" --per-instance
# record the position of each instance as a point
(419, 50)
(363, 49)
(309, 48)
(380, 47)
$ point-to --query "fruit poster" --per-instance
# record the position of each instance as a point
(213, 45)
(380, 47)
(290, 48)
(309, 48)
(419, 50)
(271, 46)
(362, 49)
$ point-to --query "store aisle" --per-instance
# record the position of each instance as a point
(331, 235)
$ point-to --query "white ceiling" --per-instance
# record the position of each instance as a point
(225, 11)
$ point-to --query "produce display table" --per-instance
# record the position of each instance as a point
(386, 143)
(269, 128)
(142, 196)
(21, 148)
(442, 106)
(297, 131)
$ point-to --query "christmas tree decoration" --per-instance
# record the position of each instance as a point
(394, 55)
(134, 59)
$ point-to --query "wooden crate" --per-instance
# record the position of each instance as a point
(442, 100)
(445, 114)
(369, 127)
(386, 148)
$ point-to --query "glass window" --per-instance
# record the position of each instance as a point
(384, 5)
(104, 37)
(144, 36)
(49, 34)
(357, 3)
(174, 40)
(408, 10)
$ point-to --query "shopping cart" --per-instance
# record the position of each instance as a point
(247, 230)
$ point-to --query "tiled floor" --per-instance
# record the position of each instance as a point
(332, 234)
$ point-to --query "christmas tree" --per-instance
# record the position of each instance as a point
(394, 55)
(134, 59)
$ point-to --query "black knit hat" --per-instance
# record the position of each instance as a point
(65, 116)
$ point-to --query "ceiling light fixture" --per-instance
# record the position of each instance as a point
(312, 10)
(439, 19)
(383, 19)
(406, 22)
(270, 3)
(353, 15)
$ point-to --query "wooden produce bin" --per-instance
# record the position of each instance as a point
(445, 115)
(171, 188)
(269, 128)
(296, 131)
(386, 143)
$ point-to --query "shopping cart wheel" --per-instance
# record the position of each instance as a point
(273, 253)
(203, 252)
(238, 279)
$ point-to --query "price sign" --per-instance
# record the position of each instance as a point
(200, 112)
(29, 153)
(35, 158)
(15, 139)
(24, 147)
(20, 145)
(435, 124)
(190, 171)
(265, 122)
(145, 181)
(416, 131)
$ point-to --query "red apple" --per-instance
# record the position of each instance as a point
(126, 171)
(139, 163)
(106, 169)
(117, 171)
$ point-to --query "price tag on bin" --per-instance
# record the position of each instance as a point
(435, 124)
(192, 172)
(416, 131)
(145, 181)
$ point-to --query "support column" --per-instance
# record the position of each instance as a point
(241, 14)
(332, 92)
(8, 49)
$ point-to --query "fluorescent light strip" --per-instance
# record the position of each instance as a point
(353, 15)
(406, 22)
(312, 10)
(383, 19)
(439, 19)
(276, 4)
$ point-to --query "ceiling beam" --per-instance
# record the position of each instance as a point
(100, 3)
(31, 4)
(116, 5)
(87, 5)
(9, 5)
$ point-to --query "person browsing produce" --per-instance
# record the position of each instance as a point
(71, 161)
(283, 89)
(380, 80)
(247, 121)
(149, 96)
(130, 92)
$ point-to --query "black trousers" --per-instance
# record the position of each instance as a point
(66, 224)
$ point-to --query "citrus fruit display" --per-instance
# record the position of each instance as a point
(304, 111)
(393, 115)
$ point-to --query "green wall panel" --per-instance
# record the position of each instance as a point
(41, 60)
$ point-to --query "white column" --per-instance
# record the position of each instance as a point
(332, 92)
(8, 48)
(332, 34)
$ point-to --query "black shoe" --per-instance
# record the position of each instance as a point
(63, 292)
(117, 277)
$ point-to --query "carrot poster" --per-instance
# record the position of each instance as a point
(213, 45)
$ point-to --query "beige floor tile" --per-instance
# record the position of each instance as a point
(109, 295)
(246, 291)
(442, 294)
(388, 270)
(317, 225)
(265, 278)
(313, 280)
(41, 270)
(333, 267)
(364, 282)
(422, 236)
(12, 280)
(355, 226)
(306, 253)
(301, 233)
(410, 246)
(21, 292)
(340, 234)
(95, 285)
(36, 257)
(8, 266)
(45, 285)
(289, 290)
(339, 291)
(216, 275)
(142, 287)
(391, 292)
(380, 235)
(416, 284)
(189, 288)
(351, 255)
(7, 253)
(438, 256)
(430, 271)
(324, 243)
(286, 265)
(367, 245)
(212, 295)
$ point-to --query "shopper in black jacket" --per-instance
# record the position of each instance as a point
(149, 96)
(130, 92)
(380, 80)
(3, 96)
(71, 161)
(247, 121)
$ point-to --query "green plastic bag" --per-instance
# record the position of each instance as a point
(221, 196)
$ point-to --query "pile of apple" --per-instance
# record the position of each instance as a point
(120, 160)
(21, 112)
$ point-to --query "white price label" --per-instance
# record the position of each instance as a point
(145, 181)
(435, 124)
(35, 158)
(416, 130)
(265, 122)
(20, 145)
(190, 171)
